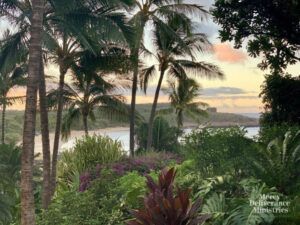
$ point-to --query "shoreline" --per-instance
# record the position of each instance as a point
(74, 134)
(104, 131)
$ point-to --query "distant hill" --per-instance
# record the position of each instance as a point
(15, 121)
(214, 119)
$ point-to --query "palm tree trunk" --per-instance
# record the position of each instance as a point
(135, 57)
(153, 110)
(57, 129)
(46, 194)
(35, 52)
(85, 124)
(3, 118)
(132, 109)
(180, 119)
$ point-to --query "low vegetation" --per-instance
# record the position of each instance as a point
(99, 184)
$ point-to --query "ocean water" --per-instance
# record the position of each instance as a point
(123, 137)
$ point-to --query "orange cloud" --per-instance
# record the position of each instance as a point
(226, 53)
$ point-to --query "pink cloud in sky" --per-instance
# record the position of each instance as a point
(226, 53)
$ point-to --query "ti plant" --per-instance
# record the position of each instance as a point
(163, 207)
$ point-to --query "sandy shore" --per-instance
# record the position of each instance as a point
(74, 134)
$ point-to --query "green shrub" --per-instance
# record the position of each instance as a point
(267, 133)
(100, 205)
(106, 202)
(10, 166)
(217, 151)
(278, 164)
(86, 154)
(133, 187)
(228, 210)
(164, 138)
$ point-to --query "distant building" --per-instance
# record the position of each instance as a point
(212, 109)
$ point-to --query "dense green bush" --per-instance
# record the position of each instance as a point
(219, 150)
(278, 164)
(280, 95)
(10, 166)
(267, 133)
(222, 166)
(86, 154)
(98, 206)
(106, 202)
(165, 137)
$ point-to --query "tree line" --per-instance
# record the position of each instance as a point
(100, 44)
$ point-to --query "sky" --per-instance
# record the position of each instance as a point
(237, 93)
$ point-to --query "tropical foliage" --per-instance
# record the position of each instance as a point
(279, 106)
(183, 100)
(279, 164)
(164, 136)
(12, 75)
(90, 91)
(219, 151)
(101, 50)
(86, 154)
(161, 206)
(261, 29)
(10, 166)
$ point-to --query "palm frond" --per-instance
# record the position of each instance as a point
(72, 115)
(167, 31)
(12, 50)
(203, 69)
(177, 71)
(146, 75)
(192, 10)
(11, 100)
(69, 94)
(162, 112)
(113, 107)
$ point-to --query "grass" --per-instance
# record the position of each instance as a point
(14, 121)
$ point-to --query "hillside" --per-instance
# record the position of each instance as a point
(14, 120)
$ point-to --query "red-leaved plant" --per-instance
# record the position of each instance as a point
(163, 207)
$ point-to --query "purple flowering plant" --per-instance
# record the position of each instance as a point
(143, 164)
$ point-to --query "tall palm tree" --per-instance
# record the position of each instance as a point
(69, 26)
(176, 58)
(35, 54)
(183, 100)
(91, 91)
(74, 22)
(8, 81)
(19, 13)
(149, 11)
(11, 75)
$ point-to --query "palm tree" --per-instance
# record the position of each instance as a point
(183, 98)
(156, 11)
(35, 54)
(78, 25)
(176, 59)
(16, 44)
(11, 75)
(69, 26)
(7, 82)
(90, 91)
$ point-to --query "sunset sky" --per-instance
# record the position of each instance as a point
(239, 91)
